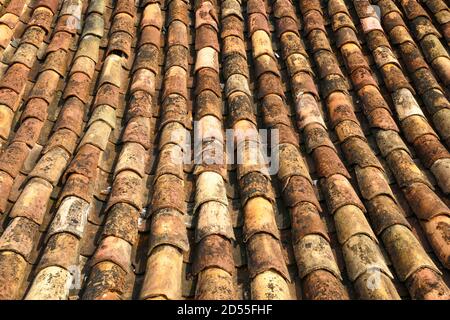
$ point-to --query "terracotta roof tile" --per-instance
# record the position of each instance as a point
(116, 176)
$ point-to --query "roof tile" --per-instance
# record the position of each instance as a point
(120, 95)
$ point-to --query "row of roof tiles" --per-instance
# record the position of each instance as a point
(142, 251)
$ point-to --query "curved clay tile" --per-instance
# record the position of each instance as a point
(134, 162)
(358, 152)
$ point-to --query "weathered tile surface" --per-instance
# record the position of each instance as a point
(103, 102)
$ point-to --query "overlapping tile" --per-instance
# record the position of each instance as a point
(428, 37)
(12, 84)
(213, 260)
(379, 198)
(441, 14)
(315, 261)
(106, 195)
(426, 85)
(41, 96)
(113, 258)
(59, 265)
(32, 203)
(168, 234)
(342, 200)
(268, 272)
(9, 20)
(72, 211)
(414, 126)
